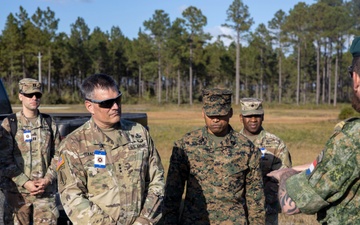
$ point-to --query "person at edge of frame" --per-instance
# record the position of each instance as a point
(29, 160)
(330, 186)
(275, 154)
(220, 169)
(109, 171)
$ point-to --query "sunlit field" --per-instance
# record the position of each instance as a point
(304, 130)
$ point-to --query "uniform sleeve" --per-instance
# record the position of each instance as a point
(73, 190)
(175, 182)
(255, 199)
(9, 167)
(151, 210)
(282, 156)
(51, 171)
(330, 176)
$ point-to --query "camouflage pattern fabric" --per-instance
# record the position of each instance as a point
(223, 183)
(216, 101)
(29, 86)
(331, 186)
(275, 156)
(105, 181)
(22, 160)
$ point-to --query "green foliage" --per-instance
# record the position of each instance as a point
(347, 112)
(292, 60)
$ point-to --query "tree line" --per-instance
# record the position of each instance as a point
(300, 56)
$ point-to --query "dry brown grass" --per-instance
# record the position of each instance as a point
(304, 131)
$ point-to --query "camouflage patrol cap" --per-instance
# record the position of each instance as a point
(355, 47)
(29, 86)
(217, 101)
(251, 106)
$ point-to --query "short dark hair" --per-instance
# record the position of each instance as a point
(102, 81)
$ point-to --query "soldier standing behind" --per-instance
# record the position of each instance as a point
(220, 168)
(29, 160)
(109, 169)
(275, 155)
(330, 186)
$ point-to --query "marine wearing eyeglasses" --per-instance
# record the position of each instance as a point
(29, 161)
(109, 169)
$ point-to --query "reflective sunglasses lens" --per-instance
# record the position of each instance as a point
(37, 95)
(110, 102)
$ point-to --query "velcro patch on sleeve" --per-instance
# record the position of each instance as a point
(60, 162)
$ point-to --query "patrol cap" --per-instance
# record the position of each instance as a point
(355, 47)
(217, 101)
(251, 106)
(29, 86)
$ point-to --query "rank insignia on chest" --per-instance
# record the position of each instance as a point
(99, 159)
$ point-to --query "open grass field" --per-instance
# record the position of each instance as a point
(304, 130)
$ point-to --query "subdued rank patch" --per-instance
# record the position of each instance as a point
(60, 162)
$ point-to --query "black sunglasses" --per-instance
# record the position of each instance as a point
(37, 95)
(108, 103)
(350, 71)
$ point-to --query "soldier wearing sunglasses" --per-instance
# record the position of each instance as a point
(28, 160)
(109, 170)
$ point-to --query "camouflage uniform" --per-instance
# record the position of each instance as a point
(26, 161)
(222, 181)
(30, 158)
(275, 155)
(105, 181)
(330, 187)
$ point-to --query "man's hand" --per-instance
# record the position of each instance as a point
(37, 187)
(277, 174)
(42, 183)
(32, 188)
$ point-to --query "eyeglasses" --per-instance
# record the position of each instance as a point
(37, 95)
(350, 71)
(108, 103)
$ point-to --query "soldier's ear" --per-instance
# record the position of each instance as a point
(89, 106)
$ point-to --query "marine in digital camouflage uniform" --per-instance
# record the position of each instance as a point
(330, 187)
(219, 170)
(109, 170)
(28, 162)
(275, 155)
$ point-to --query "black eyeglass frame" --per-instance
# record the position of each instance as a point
(38, 95)
(107, 103)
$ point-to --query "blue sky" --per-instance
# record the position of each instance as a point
(129, 15)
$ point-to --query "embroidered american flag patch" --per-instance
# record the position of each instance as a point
(311, 167)
(60, 162)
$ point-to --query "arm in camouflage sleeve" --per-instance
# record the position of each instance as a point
(9, 167)
(174, 188)
(73, 190)
(151, 210)
(51, 171)
(255, 199)
(333, 175)
(283, 155)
